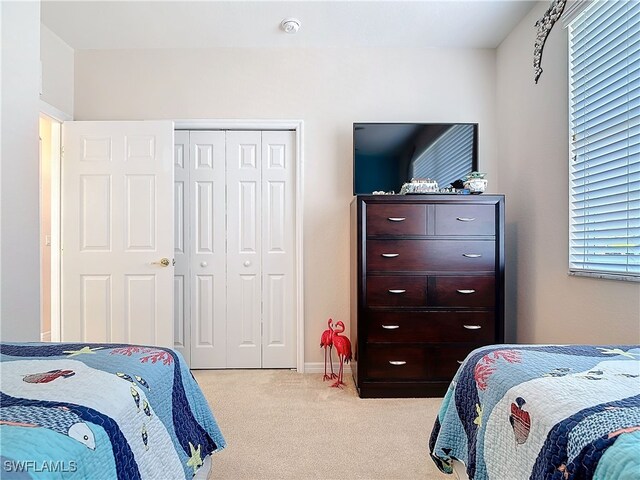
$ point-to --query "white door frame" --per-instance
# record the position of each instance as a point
(56, 178)
(297, 126)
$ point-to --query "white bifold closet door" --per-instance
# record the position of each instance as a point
(206, 226)
(181, 184)
(235, 271)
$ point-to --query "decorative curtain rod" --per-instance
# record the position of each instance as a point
(544, 26)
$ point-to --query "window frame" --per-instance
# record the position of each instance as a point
(578, 8)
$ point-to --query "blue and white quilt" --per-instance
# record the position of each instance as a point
(543, 412)
(101, 411)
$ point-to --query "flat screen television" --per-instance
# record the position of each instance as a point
(386, 155)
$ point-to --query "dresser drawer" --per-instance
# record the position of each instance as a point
(433, 255)
(445, 361)
(463, 291)
(465, 220)
(383, 219)
(398, 291)
(430, 327)
(396, 362)
(402, 362)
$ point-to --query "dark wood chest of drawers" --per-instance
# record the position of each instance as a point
(427, 287)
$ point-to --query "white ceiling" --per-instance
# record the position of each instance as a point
(239, 23)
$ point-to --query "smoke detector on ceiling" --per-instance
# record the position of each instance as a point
(290, 25)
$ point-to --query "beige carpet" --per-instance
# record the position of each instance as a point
(280, 424)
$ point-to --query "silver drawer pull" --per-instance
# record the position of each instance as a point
(460, 362)
(397, 362)
(397, 291)
(390, 255)
(390, 327)
(472, 255)
(465, 219)
(397, 219)
(471, 290)
(472, 327)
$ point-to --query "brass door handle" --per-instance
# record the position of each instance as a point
(163, 261)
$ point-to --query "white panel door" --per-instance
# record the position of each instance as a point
(182, 250)
(117, 225)
(207, 246)
(244, 247)
(278, 250)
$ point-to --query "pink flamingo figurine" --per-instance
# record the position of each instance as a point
(326, 341)
(343, 347)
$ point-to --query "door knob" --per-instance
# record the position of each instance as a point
(247, 263)
(163, 261)
(203, 264)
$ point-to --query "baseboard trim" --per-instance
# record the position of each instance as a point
(318, 367)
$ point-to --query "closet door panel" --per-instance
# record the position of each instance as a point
(207, 248)
(181, 305)
(244, 256)
(278, 250)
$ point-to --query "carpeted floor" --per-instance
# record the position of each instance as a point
(283, 425)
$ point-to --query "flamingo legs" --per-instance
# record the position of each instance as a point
(343, 348)
(327, 376)
(339, 382)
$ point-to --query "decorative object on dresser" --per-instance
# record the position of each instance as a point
(427, 287)
(475, 182)
(419, 185)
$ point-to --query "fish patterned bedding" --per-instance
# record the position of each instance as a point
(542, 412)
(101, 411)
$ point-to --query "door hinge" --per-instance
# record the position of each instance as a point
(62, 151)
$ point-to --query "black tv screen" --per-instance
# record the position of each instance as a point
(386, 155)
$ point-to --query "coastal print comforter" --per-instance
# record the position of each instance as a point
(101, 411)
(542, 412)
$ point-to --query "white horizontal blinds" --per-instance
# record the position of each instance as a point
(448, 158)
(604, 43)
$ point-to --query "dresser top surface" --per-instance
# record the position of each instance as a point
(431, 198)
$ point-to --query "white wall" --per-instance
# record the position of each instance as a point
(19, 194)
(549, 305)
(329, 89)
(57, 71)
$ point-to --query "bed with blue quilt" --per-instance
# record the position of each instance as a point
(101, 411)
(542, 412)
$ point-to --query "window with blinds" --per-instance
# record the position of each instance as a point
(604, 103)
(448, 158)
